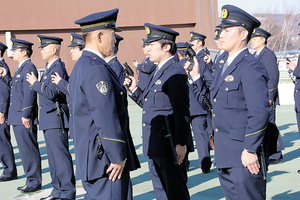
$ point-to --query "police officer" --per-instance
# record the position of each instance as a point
(76, 47)
(104, 149)
(145, 68)
(296, 72)
(259, 39)
(165, 111)
(198, 112)
(23, 113)
(7, 157)
(54, 120)
(240, 111)
(113, 61)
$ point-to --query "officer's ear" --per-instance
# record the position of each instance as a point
(99, 36)
(166, 47)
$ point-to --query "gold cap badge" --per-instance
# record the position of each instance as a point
(72, 38)
(192, 35)
(147, 30)
(224, 14)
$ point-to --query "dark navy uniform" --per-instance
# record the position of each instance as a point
(166, 94)
(145, 69)
(201, 120)
(101, 122)
(23, 103)
(268, 58)
(59, 158)
(240, 113)
(296, 73)
(7, 158)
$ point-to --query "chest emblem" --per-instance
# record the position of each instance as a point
(102, 87)
(221, 61)
(229, 78)
(158, 82)
(18, 76)
(45, 77)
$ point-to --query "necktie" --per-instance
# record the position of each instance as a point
(225, 66)
(216, 57)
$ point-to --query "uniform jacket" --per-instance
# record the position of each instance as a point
(99, 109)
(166, 94)
(240, 109)
(23, 101)
(296, 73)
(268, 58)
(118, 69)
(4, 91)
(145, 69)
(48, 95)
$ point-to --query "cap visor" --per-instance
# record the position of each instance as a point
(117, 29)
(151, 39)
(43, 45)
(225, 24)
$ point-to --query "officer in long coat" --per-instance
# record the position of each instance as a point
(104, 149)
(54, 115)
(7, 157)
(23, 113)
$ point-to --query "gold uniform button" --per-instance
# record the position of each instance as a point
(155, 90)
(144, 112)
(40, 107)
(10, 104)
(121, 93)
(216, 130)
(144, 124)
(70, 114)
(11, 86)
(214, 70)
(296, 90)
(146, 99)
(214, 115)
(215, 100)
(11, 95)
(68, 105)
(220, 65)
(226, 89)
(16, 80)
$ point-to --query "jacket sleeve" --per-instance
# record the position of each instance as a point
(254, 84)
(273, 77)
(63, 86)
(4, 97)
(100, 92)
(178, 93)
(297, 69)
(29, 95)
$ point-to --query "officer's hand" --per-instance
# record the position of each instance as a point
(30, 77)
(3, 71)
(26, 122)
(55, 78)
(207, 58)
(271, 102)
(250, 161)
(181, 151)
(291, 65)
(2, 118)
(195, 71)
(135, 63)
(131, 82)
(116, 170)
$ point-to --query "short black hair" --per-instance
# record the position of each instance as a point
(28, 51)
(173, 48)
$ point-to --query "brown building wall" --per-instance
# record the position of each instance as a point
(26, 19)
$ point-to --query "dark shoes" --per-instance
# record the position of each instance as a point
(206, 171)
(54, 198)
(27, 189)
(298, 171)
(275, 161)
(50, 198)
(3, 178)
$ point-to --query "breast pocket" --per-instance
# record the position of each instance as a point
(19, 84)
(160, 98)
(231, 90)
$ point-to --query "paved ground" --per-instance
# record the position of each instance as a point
(283, 179)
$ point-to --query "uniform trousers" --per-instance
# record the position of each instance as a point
(169, 181)
(60, 164)
(7, 157)
(199, 127)
(298, 121)
(240, 184)
(30, 154)
(280, 146)
(103, 188)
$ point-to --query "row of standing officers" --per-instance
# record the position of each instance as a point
(96, 103)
